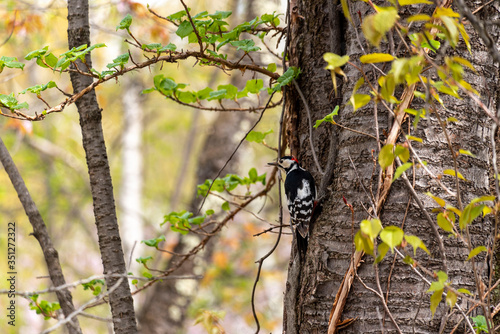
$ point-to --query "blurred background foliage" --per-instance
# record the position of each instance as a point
(51, 159)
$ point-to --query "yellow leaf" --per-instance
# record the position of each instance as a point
(451, 172)
(359, 100)
(466, 152)
(413, 2)
(438, 200)
(345, 9)
(375, 26)
(464, 62)
(418, 17)
(414, 138)
(376, 58)
(334, 60)
(386, 157)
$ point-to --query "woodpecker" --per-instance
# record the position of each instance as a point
(300, 191)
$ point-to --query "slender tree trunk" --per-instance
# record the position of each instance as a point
(40, 232)
(132, 172)
(313, 284)
(120, 299)
(165, 310)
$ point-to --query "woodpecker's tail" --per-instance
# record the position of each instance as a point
(302, 243)
(303, 229)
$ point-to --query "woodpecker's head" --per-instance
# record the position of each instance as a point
(286, 163)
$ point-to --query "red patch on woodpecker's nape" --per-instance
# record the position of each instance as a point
(295, 159)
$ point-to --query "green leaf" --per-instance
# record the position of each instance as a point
(376, 58)
(151, 46)
(184, 29)
(386, 157)
(231, 91)
(36, 53)
(10, 102)
(168, 47)
(246, 45)
(39, 88)
(328, 118)
(143, 260)
(154, 242)
(436, 298)
(125, 23)
(225, 206)
(371, 228)
(10, 62)
(401, 169)
(258, 137)
(444, 223)
(209, 212)
(271, 67)
(254, 86)
(217, 95)
(392, 236)
(119, 61)
(177, 16)
(204, 93)
(476, 252)
(291, 73)
(438, 200)
(51, 60)
(416, 242)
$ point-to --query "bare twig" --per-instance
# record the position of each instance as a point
(381, 297)
(428, 218)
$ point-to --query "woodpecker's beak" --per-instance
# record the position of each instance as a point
(273, 164)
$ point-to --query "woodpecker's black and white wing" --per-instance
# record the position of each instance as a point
(300, 192)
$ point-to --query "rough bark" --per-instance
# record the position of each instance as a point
(41, 234)
(310, 296)
(120, 300)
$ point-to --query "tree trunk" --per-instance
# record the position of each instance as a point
(120, 299)
(165, 310)
(320, 27)
(41, 234)
(132, 171)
